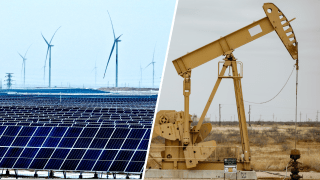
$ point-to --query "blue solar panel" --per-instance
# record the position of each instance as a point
(83, 133)
(86, 165)
(22, 163)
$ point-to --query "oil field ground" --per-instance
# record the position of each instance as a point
(270, 145)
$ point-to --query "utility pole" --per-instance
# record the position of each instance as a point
(317, 116)
(249, 114)
(300, 117)
(273, 117)
(219, 114)
(9, 80)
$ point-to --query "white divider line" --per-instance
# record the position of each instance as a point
(159, 92)
(71, 149)
(40, 147)
(10, 144)
(54, 148)
(88, 147)
(119, 150)
(135, 151)
(25, 145)
(103, 149)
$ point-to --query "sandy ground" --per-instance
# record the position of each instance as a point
(271, 156)
(306, 175)
(265, 175)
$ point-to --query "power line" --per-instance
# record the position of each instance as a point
(278, 92)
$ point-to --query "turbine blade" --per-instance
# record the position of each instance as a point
(109, 58)
(27, 51)
(118, 37)
(45, 39)
(148, 65)
(153, 52)
(46, 57)
(112, 25)
(54, 34)
(21, 55)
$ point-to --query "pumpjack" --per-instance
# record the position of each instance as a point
(184, 145)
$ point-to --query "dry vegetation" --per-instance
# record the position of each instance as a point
(270, 143)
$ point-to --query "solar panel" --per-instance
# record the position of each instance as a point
(84, 133)
(81, 148)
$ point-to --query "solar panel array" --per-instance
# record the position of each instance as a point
(117, 101)
(112, 136)
(55, 90)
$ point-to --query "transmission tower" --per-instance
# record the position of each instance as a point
(9, 80)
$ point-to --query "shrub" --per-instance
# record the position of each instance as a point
(285, 147)
(281, 138)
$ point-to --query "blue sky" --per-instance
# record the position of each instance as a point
(85, 37)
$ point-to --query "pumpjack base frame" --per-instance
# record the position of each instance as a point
(199, 174)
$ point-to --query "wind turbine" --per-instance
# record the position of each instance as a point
(115, 42)
(24, 65)
(49, 50)
(152, 62)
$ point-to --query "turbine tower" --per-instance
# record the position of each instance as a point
(115, 43)
(24, 66)
(152, 62)
(49, 51)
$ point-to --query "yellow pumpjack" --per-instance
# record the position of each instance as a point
(184, 146)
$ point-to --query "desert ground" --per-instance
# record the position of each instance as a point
(270, 146)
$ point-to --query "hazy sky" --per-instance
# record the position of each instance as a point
(267, 64)
(85, 37)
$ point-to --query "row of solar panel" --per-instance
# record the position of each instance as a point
(79, 100)
(77, 121)
(121, 121)
(46, 118)
(76, 159)
(59, 142)
(73, 132)
(95, 97)
(62, 90)
(77, 125)
(144, 122)
(62, 109)
(50, 115)
(38, 140)
(135, 106)
(38, 113)
(85, 149)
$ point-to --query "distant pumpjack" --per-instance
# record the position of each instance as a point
(115, 43)
(49, 51)
(24, 66)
